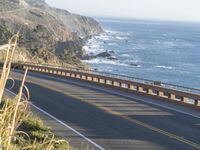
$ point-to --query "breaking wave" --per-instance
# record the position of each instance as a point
(164, 67)
(104, 61)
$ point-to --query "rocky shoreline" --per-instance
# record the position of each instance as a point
(48, 35)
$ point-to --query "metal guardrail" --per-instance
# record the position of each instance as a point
(128, 78)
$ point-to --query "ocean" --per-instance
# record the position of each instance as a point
(153, 50)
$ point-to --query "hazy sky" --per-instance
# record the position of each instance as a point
(183, 10)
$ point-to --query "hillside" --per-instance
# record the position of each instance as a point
(48, 35)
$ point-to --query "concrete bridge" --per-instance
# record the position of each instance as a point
(108, 111)
(178, 94)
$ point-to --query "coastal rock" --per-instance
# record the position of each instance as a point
(135, 65)
(111, 52)
(112, 58)
(104, 54)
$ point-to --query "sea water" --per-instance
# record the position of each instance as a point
(154, 50)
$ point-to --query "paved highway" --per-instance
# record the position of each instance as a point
(104, 118)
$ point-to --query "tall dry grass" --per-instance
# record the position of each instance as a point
(10, 49)
(14, 112)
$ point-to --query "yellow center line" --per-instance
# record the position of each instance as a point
(145, 125)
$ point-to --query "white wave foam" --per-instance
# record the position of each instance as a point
(120, 38)
(125, 55)
(112, 44)
(103, 37)
(170, 44)
(104, 61)
(164, 67)
(112, 32)
(177, 43)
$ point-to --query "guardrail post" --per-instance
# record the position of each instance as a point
(172, 96)
(89, 78)
(102, 81)
(108, 82)
(124, 85)
(150, 92)
(185, 99)
(132, 87)
(95, 79)
(78, 76)
(197, 102)
(73, 75)
(161, 93)
(84, 77)
(140, 89)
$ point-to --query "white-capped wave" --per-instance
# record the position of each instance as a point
(112, 32)
(104, 61)
(120, 38)
(125, 55)
(169, 44)
(103, 37)
(112, 44)
(164, 67)
(177, 43)
(93, 49)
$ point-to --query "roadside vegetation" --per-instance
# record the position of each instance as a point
(19, 129)
(29, 131)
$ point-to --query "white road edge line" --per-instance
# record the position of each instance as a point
(115, 93)
(64, 124)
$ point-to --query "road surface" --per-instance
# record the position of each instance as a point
(98, 117)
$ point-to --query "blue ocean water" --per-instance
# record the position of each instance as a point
(160, 51)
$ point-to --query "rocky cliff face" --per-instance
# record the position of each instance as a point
(48, 34)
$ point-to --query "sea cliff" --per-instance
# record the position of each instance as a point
(48, 35)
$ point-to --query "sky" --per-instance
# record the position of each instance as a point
(176, 10)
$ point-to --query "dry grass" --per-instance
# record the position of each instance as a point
(14, 115)
(29, 133)
(10, 49)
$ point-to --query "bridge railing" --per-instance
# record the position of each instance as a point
(123, 77)
(176, 93)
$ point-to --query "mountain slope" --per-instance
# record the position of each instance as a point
(48, 34)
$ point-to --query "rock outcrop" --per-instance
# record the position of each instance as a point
(48, 34)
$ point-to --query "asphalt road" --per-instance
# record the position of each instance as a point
(111, 119)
